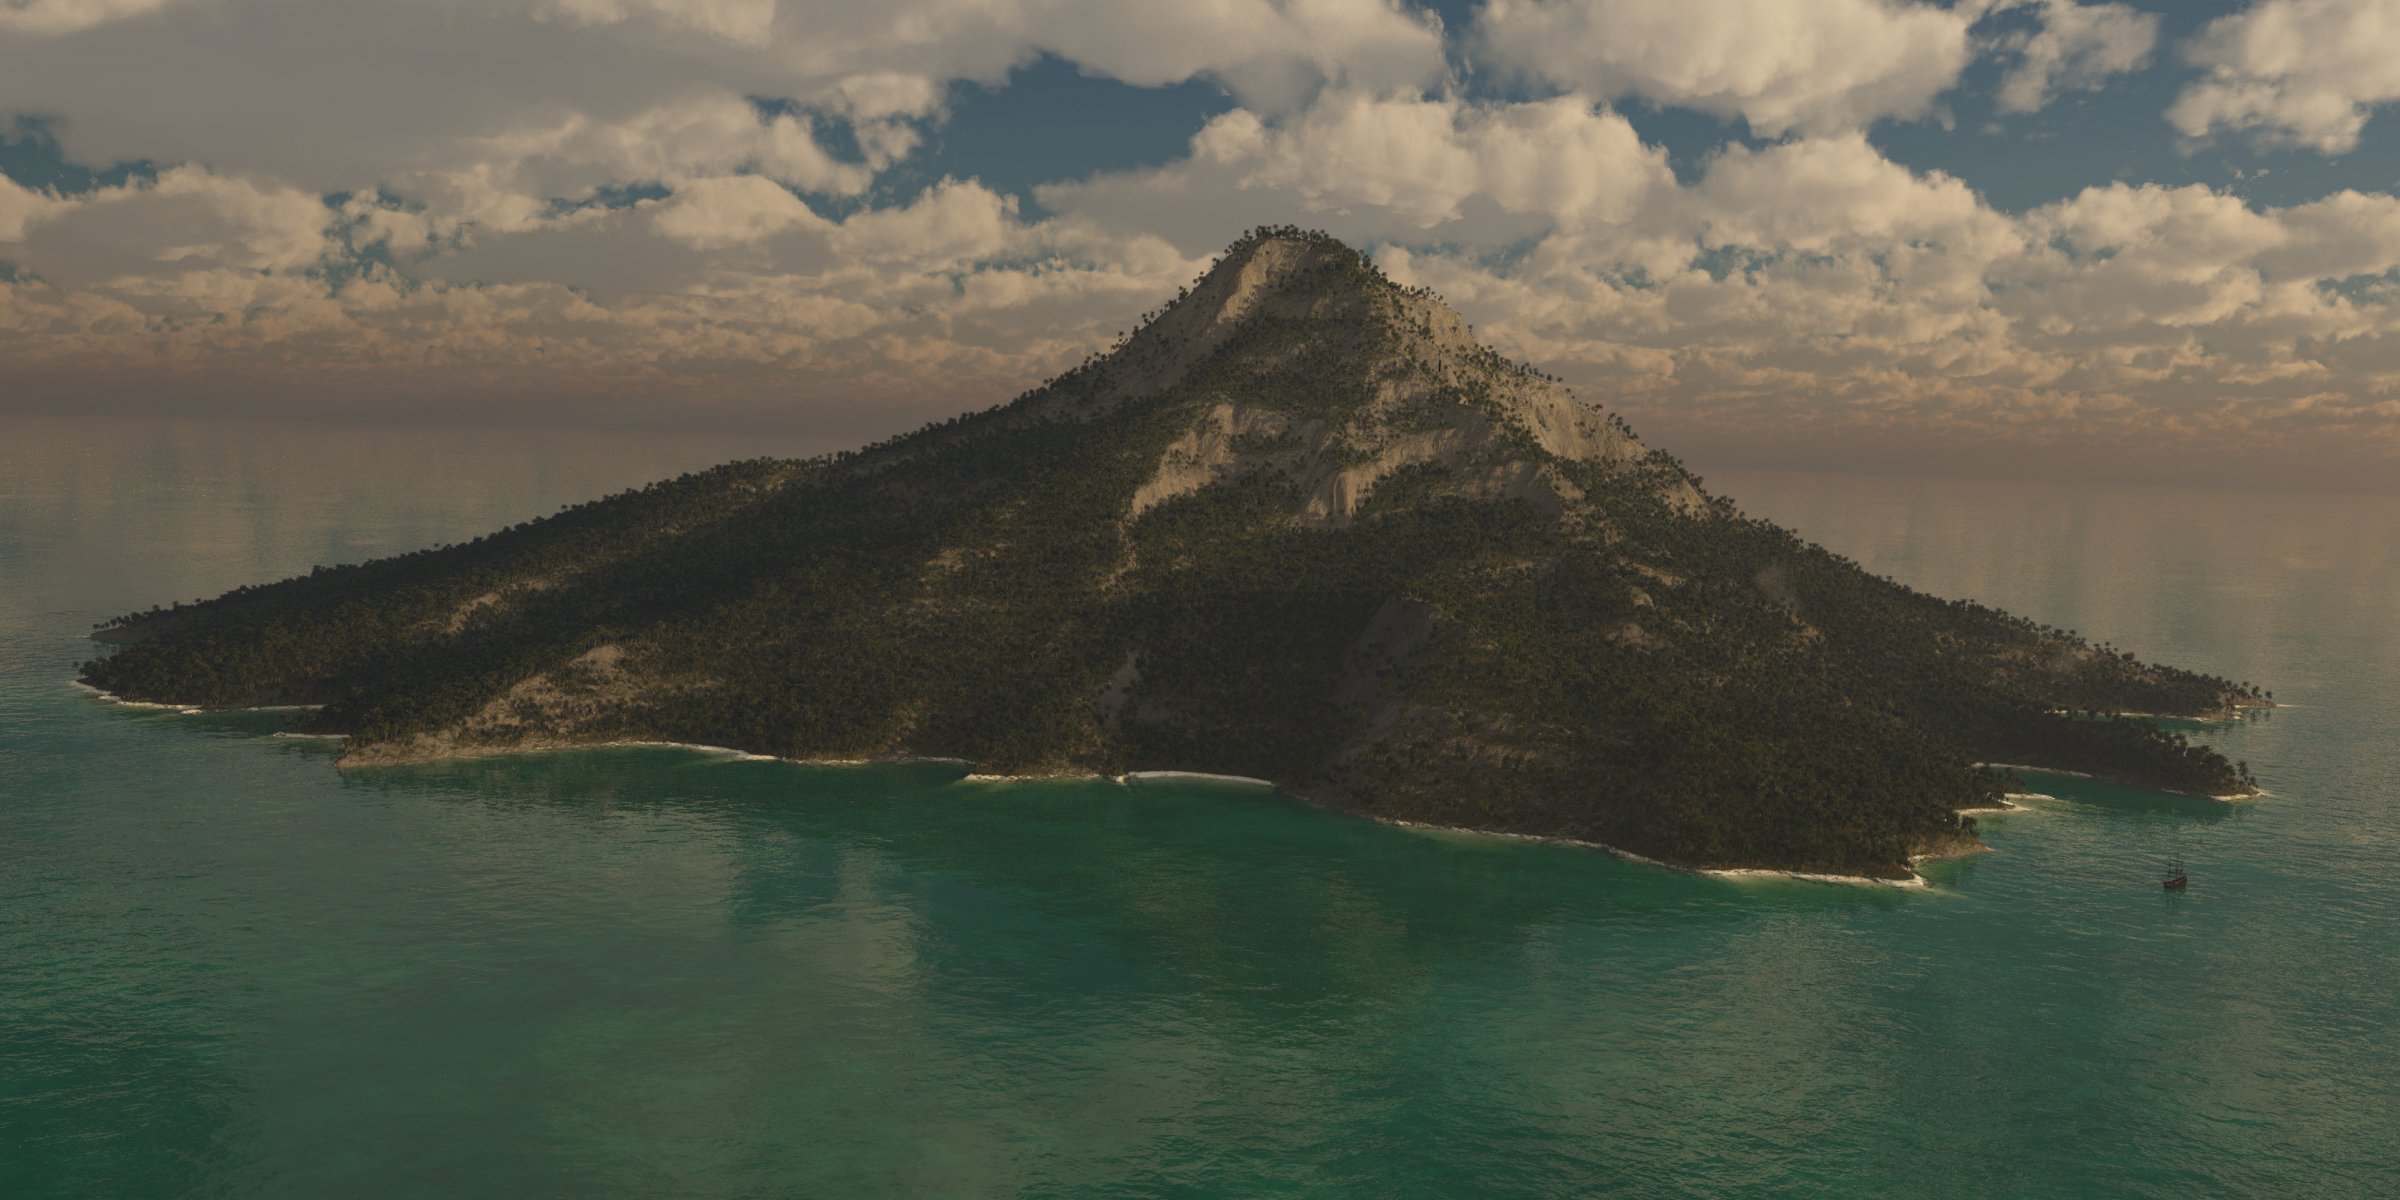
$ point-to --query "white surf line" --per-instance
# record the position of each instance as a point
(1913, 881)
(2215, 719)
(701, 747)
(1131, 775)
(2043, 770)
(1125, 779)
(184, 707)
(2014, 802)
(2232, 798)
(1578, 843)
(113, 698)
(730, 752)
(2008, 804)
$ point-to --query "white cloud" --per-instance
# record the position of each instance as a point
(1272, 52)
(484, 114)
(747, 22)
(735, 210)
(507, 180)
(1822, 195)
(2298, 72)
(19, 207)
(1273, 55)
(54, 17)
(2121, 257)
(333, 97)
(2342, 236)
(1781, 65)
(1816, 287)
(2078, 47)
(886, 94)
(188, 220)
(1376, 168)
(893, 329)
(671, 142)
(953, 225)
(1813, 288)
(1806, 285)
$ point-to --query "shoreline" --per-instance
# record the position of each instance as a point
(2221, 717)
(1212, 777)
(2227, 798)
(496, 751)
(1913, 882)
(191, 709)
(2004, 807)
(122, 702)
(2009, 803)
(725, 752)
(2043, 770)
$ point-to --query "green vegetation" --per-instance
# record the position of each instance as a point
(1495, 636)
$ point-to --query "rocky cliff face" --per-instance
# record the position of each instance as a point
(1301, 526)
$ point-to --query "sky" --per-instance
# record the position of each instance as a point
(2128, 239)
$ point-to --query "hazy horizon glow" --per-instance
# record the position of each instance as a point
(2106, 238)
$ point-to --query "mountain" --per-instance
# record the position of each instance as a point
(1298, 526)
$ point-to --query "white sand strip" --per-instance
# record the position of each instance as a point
(1265, 783)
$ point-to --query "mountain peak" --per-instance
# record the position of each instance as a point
(1281, 273)
(1299, 358)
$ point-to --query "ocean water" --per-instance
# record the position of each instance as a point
(229, 969)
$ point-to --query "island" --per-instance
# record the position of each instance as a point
(1298, 526)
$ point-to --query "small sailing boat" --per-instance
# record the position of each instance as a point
(2174, 878)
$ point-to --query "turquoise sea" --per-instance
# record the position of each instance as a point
(229, 969)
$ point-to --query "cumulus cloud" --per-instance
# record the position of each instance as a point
(1810, 66)
(2077, 47)
(1272, 54)
(1388, 167)
(1781, 65)
(19, 206)
(734, 210)
(53, 17)
(540, 102)
(2294, 72)
(508, 179)
(595, 215)
(746, 22)
(883, 336)
(952, 225)
(1816, 288)
(1821, 195)
(157, 233)
(222, 83)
